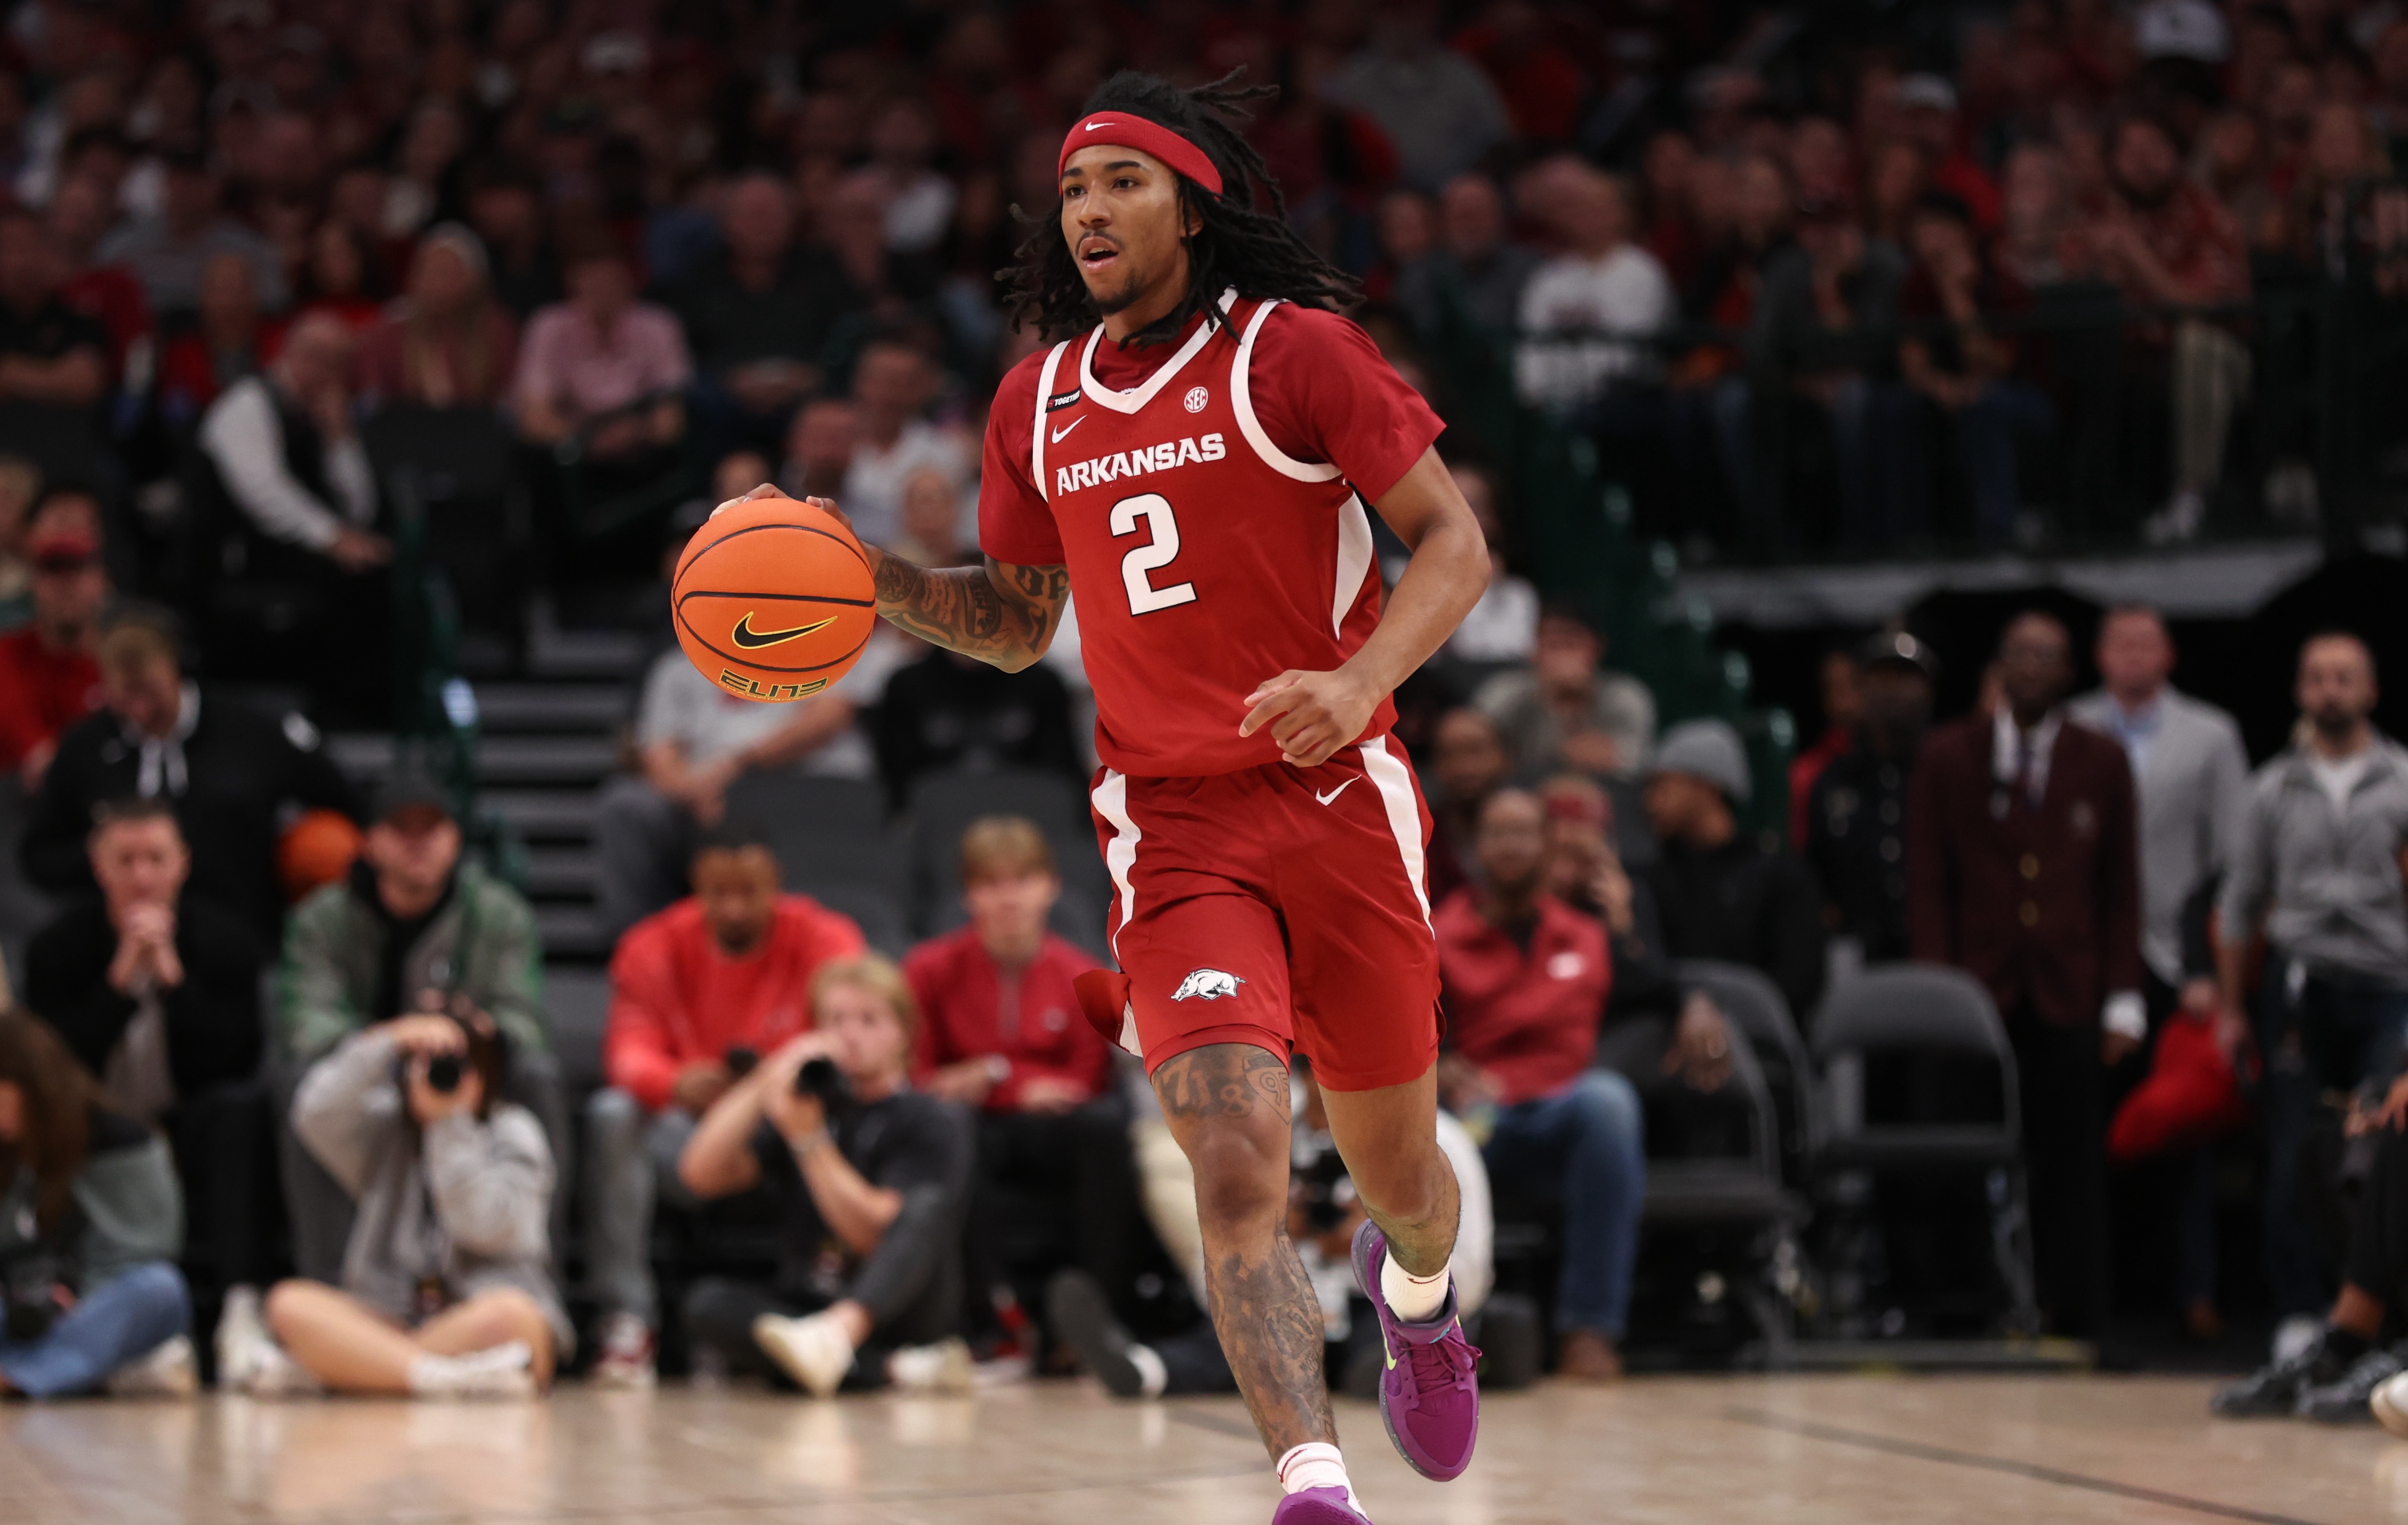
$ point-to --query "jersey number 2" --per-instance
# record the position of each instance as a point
(1161, 549)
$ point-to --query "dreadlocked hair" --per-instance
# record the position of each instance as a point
(1236, 244)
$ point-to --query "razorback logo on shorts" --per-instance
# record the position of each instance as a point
(1207, 985)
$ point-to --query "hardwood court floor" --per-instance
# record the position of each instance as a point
(1810, 1449)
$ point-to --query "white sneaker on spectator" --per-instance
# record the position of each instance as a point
(945, 1366)
(815, 1350)
(169, 1371)
(243, 1343)
(2178, 522)
(2390, 1405)
(2295, 1334)
(273, 1374)
(501, 1372)
(626, 1359)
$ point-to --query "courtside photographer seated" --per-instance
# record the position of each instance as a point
(698, 992)
(870, 1179)
(90, 1226)
(446, 1288)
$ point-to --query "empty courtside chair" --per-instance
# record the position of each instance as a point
(825, 830)
(871, 908)
(1758, 1009)
(1908, 1011)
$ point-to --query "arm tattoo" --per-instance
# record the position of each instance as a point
(1000, 613)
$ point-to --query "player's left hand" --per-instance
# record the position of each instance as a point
(1311, 714)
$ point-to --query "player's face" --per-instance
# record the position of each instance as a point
(1122, 219)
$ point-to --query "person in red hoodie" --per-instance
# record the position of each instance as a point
(48, 679)
(1525, 978)
(1000, 1033)
(697, 991)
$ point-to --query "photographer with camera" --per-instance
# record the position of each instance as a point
(91, 1223)
(697, 991)
(447, 1287)
(871, 1177)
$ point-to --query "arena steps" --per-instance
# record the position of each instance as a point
(546, 745)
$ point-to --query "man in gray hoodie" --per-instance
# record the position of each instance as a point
(2317, 863)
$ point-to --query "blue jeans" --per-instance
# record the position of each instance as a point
(1583, 1145)
(114, 1324)
(2337, 1033)
(1986, 432)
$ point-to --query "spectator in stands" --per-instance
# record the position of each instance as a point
(81, 215)
(1836, 683)
(868, 1174)
(1856, 815)
(1724, 893)
(893, 384)
(902, 142)
(2347, 1373)
(1602, 284)
(47, 677)
(1468, 763)
(21, 483)
(447, 342)
(695, 989)
(2315, 865)
(1526, 979)
(156, 991)
(227, 342)
(757, 315)
(1966, 371)
(693, 740)
(52, 355)
(2167, 244)
(168, 252)
(1475, 264)
(947, 711)
(1000, 1033)
(1434, 105)
(284, 449)
(931, 520)
(342, 277)
(1829, 305)
(1504, 625)
(820, 448)
(229, 771)
(602, 365)
(506, 210)
(2022, 869)
(446, 1288)
(91, 1210)
(1567, 710)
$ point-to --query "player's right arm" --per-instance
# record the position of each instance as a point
(1000, 613)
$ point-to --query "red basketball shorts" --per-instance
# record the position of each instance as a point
(1278, 906)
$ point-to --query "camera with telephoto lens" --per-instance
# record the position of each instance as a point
(443, 1073)
(30, 1291)
(820, 1079)
(742, 1060)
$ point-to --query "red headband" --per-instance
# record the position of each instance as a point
(1121, 130)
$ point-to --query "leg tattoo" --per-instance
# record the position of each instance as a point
(1228, 1104)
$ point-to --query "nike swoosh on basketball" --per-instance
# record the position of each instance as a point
(1068, 427)
(754, 641)
(1325, 799)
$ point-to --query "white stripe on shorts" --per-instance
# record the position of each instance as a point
(1388, 776)
(1110, 799)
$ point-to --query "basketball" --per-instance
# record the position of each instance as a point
(773, 600)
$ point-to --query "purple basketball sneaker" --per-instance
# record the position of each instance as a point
(1317, 1506)
(1429, 1394)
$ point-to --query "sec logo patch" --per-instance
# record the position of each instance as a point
(1197, 398)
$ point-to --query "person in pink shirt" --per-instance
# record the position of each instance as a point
(602, 364)
(1001, 1032)
(720, 977)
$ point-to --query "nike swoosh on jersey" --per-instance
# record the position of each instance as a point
(1325, 799)
(1068, 427)
(754, 641)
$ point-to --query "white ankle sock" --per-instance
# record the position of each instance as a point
(1153, 1376)
(1410, 1297)
(1314, 1465)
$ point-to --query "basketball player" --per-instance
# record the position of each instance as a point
(1193, 461)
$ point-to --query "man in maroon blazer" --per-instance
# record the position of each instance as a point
(2022, 864)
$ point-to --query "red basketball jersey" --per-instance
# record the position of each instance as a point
(1205, 555)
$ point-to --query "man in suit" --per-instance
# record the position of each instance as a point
(2022, 870)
